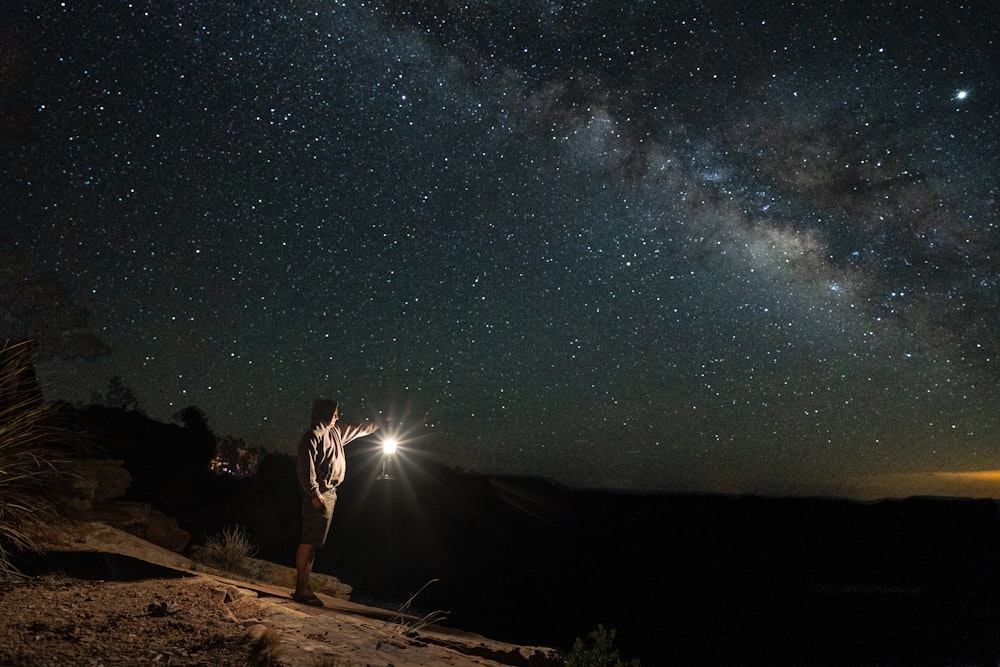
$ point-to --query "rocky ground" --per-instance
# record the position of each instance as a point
(58, 619)
(170, 613)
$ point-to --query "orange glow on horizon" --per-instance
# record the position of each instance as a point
(973, 476)
(968, 484)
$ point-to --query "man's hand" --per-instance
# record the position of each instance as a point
(318, 502)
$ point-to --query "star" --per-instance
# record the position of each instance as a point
(470, 217)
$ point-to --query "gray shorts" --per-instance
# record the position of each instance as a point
(316, 522)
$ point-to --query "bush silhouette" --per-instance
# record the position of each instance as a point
(600, 653)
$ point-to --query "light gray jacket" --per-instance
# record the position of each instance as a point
(321, 465)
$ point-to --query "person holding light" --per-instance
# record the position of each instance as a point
(320, 469)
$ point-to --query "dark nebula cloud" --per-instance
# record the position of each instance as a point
(668, 246)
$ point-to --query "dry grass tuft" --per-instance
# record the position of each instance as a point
(32, 444)
(266, 650)
(231, 549)
(400, 624)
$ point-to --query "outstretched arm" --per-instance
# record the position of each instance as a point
(350, 432)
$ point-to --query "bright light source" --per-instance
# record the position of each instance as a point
(389, 446)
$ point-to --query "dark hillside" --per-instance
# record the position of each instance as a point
(684, 579)
(692, 579)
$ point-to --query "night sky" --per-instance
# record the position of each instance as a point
(746, 247)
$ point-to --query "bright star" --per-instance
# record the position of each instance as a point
(961, 95)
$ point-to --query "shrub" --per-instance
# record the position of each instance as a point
(601, 652)
(230, 549)
(32, 443)
(266, 650)
(402, 623)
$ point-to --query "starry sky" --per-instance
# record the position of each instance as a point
(736, 247)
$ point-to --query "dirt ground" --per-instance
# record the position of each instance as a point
(178, 616)
(57, 619)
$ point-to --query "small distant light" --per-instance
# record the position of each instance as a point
(961, 95)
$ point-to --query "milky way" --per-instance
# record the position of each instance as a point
(663, 247)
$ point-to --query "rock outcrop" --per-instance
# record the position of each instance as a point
(94, 490)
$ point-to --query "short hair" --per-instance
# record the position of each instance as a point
(323, 410)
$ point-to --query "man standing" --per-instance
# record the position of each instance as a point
(321, 468)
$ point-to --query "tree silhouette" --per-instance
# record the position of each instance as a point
(117, 396)
(194, 418)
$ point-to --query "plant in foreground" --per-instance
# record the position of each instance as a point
(401, 624)
(32, 444)
(231, 549)
(601, 652)
(266, 650)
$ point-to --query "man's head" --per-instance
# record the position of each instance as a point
(325, 412)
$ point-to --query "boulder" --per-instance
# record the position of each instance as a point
(92, 492)
(161, 530)
(90, 483)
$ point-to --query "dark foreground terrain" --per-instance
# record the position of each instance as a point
(102, 606)
(685, 579)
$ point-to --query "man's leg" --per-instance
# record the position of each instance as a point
(315, 527)
(304, 559)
